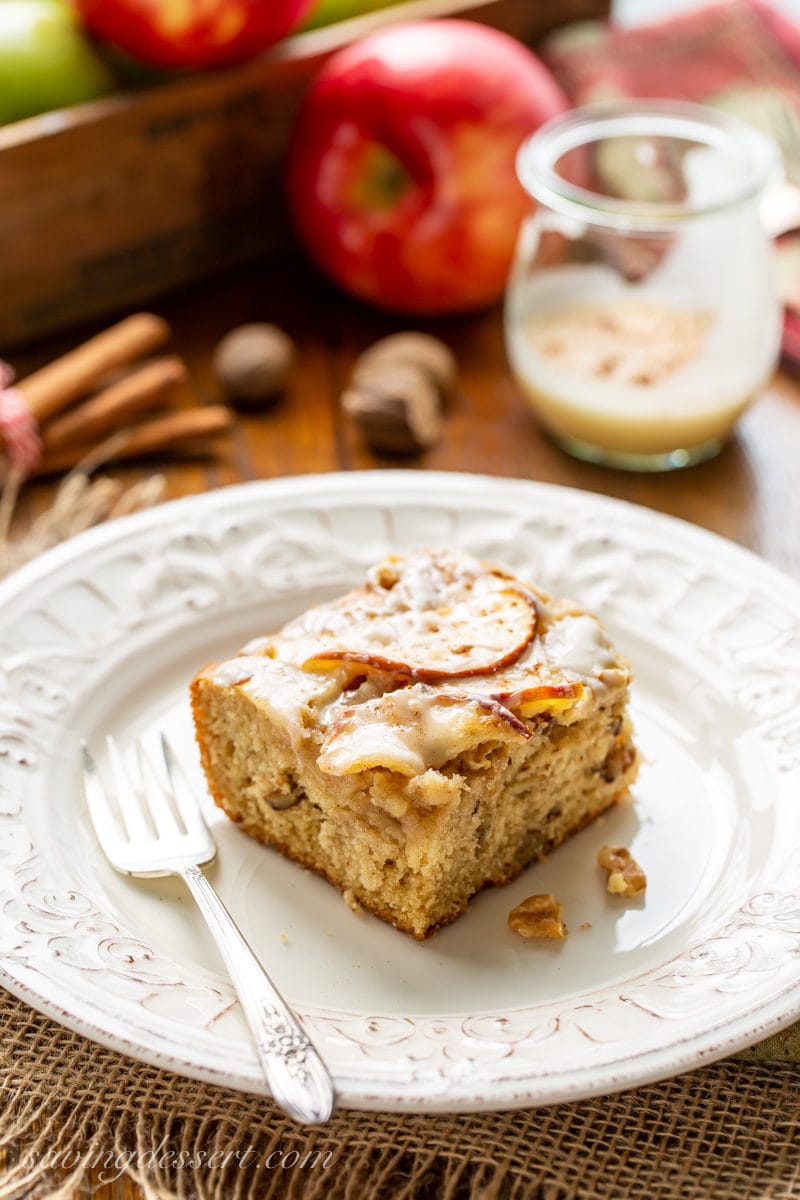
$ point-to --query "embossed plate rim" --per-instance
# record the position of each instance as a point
(502, 1089)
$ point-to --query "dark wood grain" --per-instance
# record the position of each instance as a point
(750, 493)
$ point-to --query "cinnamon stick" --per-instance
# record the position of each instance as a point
(144, 389)
(62, 382)
(159, 433)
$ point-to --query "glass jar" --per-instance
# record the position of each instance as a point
(642, 312)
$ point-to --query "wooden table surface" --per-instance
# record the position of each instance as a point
(750, 493)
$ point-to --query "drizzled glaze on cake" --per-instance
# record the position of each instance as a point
(436, 654)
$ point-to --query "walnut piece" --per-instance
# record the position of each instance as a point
(538, 917)
(625, 876)
(620, 759)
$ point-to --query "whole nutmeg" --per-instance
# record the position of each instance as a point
(253, 363)
(420, 350)
(396, 406)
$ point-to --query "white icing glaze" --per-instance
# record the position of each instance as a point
(232, 673)
(578, 644)
(375, 745)
(285, 693)
(427, 581)
(433, 613)
(411, 728)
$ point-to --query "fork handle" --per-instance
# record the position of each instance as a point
(297, 1077)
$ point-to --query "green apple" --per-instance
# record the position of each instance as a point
(46, 60)
(327, 12)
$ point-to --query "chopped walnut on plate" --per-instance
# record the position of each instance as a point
(625, 876)
(538, 917)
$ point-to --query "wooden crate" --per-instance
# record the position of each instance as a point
(107, 204)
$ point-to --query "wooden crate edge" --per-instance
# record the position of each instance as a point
(75, 251)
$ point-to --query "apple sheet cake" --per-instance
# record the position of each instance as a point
(433, 731)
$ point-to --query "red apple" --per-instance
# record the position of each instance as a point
(191, 33)
(401, 177)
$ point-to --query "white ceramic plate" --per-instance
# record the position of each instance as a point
(102, 635)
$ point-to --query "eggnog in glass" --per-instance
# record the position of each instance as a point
(642, 313)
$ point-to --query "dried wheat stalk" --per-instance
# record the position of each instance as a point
(79, 503)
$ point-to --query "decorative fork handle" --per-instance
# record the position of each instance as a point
(297, 1077)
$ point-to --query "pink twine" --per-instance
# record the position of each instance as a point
(18, 426)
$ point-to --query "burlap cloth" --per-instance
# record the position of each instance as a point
(728, 1130)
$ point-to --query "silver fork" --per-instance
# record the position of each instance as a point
(149, 824)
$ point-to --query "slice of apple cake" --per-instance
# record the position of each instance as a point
(431, 732)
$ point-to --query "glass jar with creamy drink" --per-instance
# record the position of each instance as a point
(642, 313)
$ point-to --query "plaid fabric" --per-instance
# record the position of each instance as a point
(738, 55)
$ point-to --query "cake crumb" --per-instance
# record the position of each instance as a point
(284, 939)
(625, 876)
(351, 900)
(538, 916)
(586, 925)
